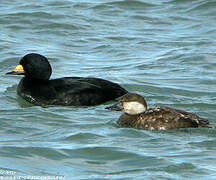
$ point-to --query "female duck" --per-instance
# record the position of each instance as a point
(156, 118)
(36, 87)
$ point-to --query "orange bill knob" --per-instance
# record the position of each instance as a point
(17, 71)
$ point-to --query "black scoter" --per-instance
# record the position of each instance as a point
(36, 88)
(136, 115)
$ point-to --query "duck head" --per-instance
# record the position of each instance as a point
(131, 104)
(33, 66)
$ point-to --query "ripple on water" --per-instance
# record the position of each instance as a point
(163, 50)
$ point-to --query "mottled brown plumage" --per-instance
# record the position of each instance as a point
(155, 118)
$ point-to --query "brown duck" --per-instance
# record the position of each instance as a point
(136, 115)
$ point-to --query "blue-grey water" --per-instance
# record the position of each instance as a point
(164, 50)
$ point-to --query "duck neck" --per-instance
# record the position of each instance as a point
(34, 80)
(127, 120)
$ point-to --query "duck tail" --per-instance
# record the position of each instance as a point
(206, 126)
(203, 123)
(209, 126)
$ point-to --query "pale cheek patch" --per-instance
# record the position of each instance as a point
(133, 107)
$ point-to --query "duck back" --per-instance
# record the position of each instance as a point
(163, 118)
(70, 91)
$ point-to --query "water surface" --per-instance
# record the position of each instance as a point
(163, 50)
